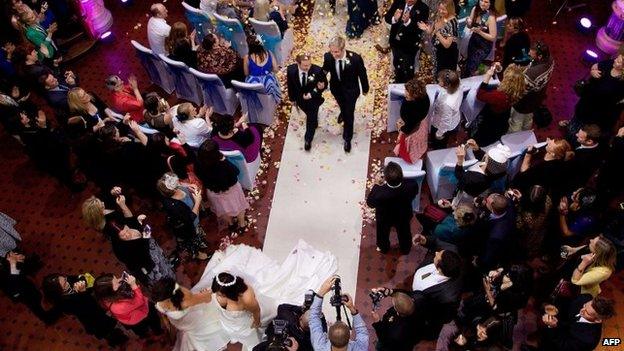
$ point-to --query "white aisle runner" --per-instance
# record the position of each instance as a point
(318, 193)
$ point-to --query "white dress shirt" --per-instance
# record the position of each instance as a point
(445, 115)
(157, 31)
(407, 9)
(344, 64)
(195, 131)
(427, 277)
(302, 72)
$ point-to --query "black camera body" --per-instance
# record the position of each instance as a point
(376, 298)
(308, 299)
(280, 334)
(337, 299)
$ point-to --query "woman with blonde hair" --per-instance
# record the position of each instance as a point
(444, 36)
(88, 107)
(96, 215)
(457, 226)
(413, 126)
(493, 120)
(181, 46)
(270, 10)
(596, 266)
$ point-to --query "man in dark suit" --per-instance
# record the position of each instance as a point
(395, 330)
(392, 201)
(405, 36)
(347, 74)
(587, 156)
(306, 83)
(498, 226)
(56, 92)
(581, 328)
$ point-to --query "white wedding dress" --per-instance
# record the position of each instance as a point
(198, 328)
(273, 284)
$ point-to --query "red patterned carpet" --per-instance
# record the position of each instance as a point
(48, 214)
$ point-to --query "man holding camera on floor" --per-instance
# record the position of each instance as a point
(338, 336)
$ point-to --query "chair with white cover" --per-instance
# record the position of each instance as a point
(186, 84)
(247, 171)
(396, 96)
(440, 168)
(518, 143)
(157, 70)
(411, 171)
(222, 100)
(272, 39)
(200, 20)
(255, 102)
(471, 106)
(232, 30)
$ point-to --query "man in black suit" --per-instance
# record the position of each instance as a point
(395, 330)
(392, 201)
(498, 227)
(347, 74)
(306, 83)
(587, 156)
(56, 92)
(581, 328)
(405, 36)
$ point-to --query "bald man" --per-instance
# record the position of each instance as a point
(158, 29)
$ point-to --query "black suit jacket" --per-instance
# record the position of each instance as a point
(581, 167)
(354, 74)
(296, 91)
(499, 243)
(571, 335)
(393, 204)
(407, 38)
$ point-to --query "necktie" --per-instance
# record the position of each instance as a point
(341, 66)
(303, 79)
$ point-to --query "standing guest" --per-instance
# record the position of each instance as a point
(533, 212)
(96, 215)
(550, 172)
(392, 200)
(193, 126)
(499, 232)
(516, 42)
(56, 92)
(493, 120)
(41, 38)
(609, 182)
(587, 156)
(536, 78)
(7, 64)
(238, 136)
(445, 113)
(444, 36)
(395, 330)
(223, 190)
(126, 98)
(215, 56)
(403, 16)
(596, 266)
(579, 216)
(89, 107)
(482, 24)
(347, 74)
(306, 83)
(265, 10)
(361, 15)
(260, 66)
(71, 295)
(30, 68)
(9, 236)
(158, 29)
(457, 227)
(581, 328)
(181, 46)
(413, 125)
(126, 303)
(517, 8)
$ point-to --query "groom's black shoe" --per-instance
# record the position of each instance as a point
(340, 118)
(347, 146)
(307, 146)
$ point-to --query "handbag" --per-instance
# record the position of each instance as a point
(542, 117)
(434, 213)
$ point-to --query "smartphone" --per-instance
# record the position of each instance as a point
(124, 275)
(147, 231)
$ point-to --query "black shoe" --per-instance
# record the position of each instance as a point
(347, 146)
(307, 146)
(340, 118)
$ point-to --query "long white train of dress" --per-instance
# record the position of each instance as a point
(273, 284)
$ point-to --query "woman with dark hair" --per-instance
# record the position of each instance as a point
(71, 295)
(124, 299)
(223, 190)
(192, 314)
(260, 66)
(215, 56)
(580, 216)
(156, 113)
(181, 46)
(239, 136)
(445, 113)
(481, 334)
(482, 24)
(413, 126)
(516, 43)
(533, 210)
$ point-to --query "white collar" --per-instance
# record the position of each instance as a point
(583, 320)
(300, 71)
(393, 186)
(587, 147)
(344, 57)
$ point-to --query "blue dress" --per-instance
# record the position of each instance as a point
(362, 14)
(264, 75)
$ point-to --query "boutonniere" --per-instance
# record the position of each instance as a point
(347, 62)
(311, 77)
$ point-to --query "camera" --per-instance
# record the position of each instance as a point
(308, 299)
(280, 334)
(376, 298)
(337, 299)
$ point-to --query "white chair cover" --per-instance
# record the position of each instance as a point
(470, 106)
(440, 168)
(232, 30)
(256, 102)
(272, 39)
(186, 84)
(157, 70)
(209, 6)
(247, 171)
(396, 95)
(411, 171)
(517, 143)
(222, 100)
(200, 20)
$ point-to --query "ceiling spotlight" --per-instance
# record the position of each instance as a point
(590, 56)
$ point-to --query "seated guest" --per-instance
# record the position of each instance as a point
(7, 63)
(71, 295)
(156, 113)
(392, 200)
(493, 120)
(89, 107)
(596, 266)
(587, 156)
(458, 226)
(12, 105)
(479, 177)
(498, 229)
(181, 46)
(395, 330)
(126, 98)
(265, 10)
(239, 136)
(338, 337)
(445, 114)
(516, 43)
(30, 68)
(413, 126)
(56, 92)
(581, 328)
(215, 56)
(579, 217)
(536, 78)
(480, 334)
(223, 190)
(194, 127)
(260, 66)
(482, 24)
(126, 303)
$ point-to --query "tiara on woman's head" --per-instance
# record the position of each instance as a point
(225, 285)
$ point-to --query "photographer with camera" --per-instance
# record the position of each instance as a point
(395, 330)
(338, 336)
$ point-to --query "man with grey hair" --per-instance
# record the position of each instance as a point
(158, 29)
(347, 74)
